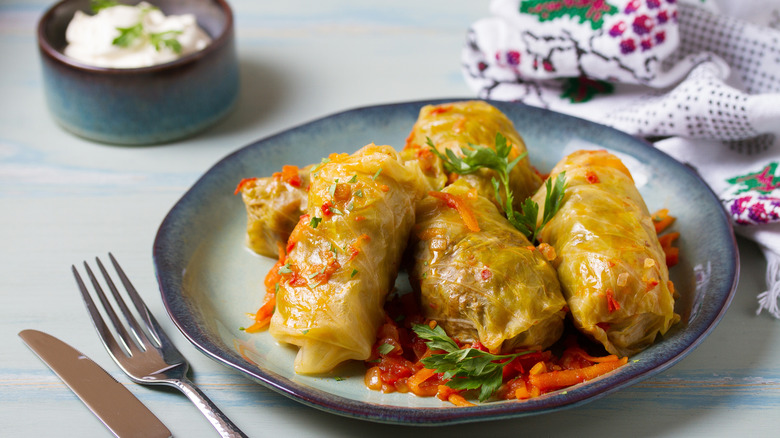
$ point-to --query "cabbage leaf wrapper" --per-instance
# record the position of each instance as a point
(344, 255)
(610, 264)
(466, 124)
(273, 206)
(491, 285)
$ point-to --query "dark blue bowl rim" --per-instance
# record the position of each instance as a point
(174, 303)
(46, 48)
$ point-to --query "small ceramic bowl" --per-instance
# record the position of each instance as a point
(147, 105)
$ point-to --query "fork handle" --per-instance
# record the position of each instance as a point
(220, 421)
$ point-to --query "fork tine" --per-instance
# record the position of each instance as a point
(105, 334)
(121, 331)
(151, 324)
(135, 328)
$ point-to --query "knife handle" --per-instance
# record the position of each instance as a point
(220, 421)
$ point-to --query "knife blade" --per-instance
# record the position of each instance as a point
(111, 401)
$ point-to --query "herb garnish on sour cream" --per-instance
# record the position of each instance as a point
(123, 36)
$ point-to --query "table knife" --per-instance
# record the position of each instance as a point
(111, 401)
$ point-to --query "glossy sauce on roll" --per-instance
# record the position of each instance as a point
(610, 264)
(343, 256)
(486, 283)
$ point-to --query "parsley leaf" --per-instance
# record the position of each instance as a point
(315, 221)
(97, 5)
(384, 349)
(466, 368)
(316, 171)
(166, 39)
(482, 157)
(127, 35)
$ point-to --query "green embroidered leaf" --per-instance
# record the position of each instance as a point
(587, 11)
(583, 89)
(763, 181)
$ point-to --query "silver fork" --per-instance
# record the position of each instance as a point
(147, 359)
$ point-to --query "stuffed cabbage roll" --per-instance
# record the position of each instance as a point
(344, 255)
(611, 266)
(273, 206)
(490, 285)
(467, 124)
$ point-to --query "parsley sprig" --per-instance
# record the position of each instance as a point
(166, 39)
(481, 157)
(466, 368)
(129, 35)
(97, 5)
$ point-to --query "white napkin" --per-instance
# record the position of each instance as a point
(699, 77)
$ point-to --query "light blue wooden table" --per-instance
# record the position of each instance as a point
(64, 200)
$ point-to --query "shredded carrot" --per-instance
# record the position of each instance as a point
(521, 392)
(667, 239)
(612, 304)
(672, 253)
(384, 188)
(272, 279)
(291, 176)
(410, 144)
(418, 379)
(459, 400)
(459, 204)
(662, 220)
(453, 396)
(396, 362)
(323, 273)
(440, 110)
(426, 158)
(243, 183)
(563, 378)
(354, 248)
(672, 256)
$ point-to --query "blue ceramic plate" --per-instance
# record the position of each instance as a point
(210, 280)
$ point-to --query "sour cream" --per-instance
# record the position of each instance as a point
(91, 37)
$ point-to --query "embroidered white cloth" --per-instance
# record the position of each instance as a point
(700, 78)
